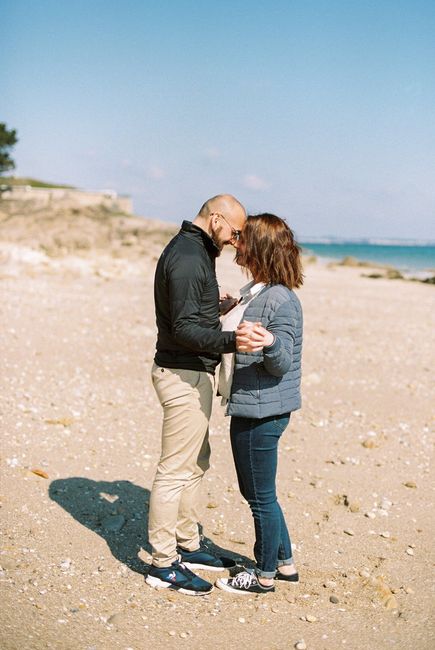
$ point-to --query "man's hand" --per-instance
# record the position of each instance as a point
(252, 337)
(226, 303)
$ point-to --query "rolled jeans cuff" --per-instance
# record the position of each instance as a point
(285, 562)
(265, 574)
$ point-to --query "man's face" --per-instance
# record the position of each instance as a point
(227, 229)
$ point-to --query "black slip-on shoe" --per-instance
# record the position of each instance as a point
(293, 577)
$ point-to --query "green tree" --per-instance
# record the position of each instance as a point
(7, 140)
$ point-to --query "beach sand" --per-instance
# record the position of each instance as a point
(81, 437)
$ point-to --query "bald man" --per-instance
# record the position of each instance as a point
(189, 345)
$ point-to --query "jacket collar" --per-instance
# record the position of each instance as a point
(195, 232)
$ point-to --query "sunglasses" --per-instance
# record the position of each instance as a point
(235, 234)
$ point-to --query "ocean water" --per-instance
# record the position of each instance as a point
(404, 257)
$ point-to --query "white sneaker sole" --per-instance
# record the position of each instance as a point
(205, 567)
(221, 584)
(156, 583)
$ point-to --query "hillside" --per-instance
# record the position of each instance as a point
(33, 182)
(57, 231)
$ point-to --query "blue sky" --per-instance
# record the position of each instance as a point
(320, 111)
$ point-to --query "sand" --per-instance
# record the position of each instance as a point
(80, 442)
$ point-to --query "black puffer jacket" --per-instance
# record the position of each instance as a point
(186, 296)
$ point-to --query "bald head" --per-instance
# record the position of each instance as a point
(225, 204)
(222, 217)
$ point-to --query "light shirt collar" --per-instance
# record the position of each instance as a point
(251, 289)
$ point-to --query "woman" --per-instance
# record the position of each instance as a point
(262, 389)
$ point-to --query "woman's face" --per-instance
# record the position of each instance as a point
(247, 250)
(240, 251)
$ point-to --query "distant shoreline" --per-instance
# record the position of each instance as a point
(405, 257)
(371, 241)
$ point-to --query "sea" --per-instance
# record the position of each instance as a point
(407, 257)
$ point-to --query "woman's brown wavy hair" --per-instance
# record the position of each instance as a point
(269, 251)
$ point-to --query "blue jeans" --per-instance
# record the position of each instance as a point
(255, 450)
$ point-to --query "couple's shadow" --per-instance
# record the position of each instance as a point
(118, 512)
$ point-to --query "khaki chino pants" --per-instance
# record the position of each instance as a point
(186, 397)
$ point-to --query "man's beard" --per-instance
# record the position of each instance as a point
(219, 244)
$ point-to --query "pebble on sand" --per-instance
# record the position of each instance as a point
(410, 551)
(333, 599)
(410, 484)
(391, 602)
(347, 531)
(65, 565)
(115, 618)
(39, 472)
(113, 523)
(65, 422)
(301, 645)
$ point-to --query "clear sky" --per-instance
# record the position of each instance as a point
(322, 111)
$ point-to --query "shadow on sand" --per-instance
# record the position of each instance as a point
(118, 511)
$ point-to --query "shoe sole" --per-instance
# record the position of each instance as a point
(226, 587)
(206, 567)
(156, 583)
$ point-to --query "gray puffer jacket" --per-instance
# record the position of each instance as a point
(268, 383)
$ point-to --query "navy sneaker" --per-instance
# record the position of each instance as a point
(203, 558)
(244, 582)
(178, 577)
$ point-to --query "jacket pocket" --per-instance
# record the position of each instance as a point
(280, 422)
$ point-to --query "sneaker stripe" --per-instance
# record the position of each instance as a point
(156, 583)
(204, 567)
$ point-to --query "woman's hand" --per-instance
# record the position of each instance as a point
(252, 337)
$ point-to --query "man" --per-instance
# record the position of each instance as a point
(189, 345)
